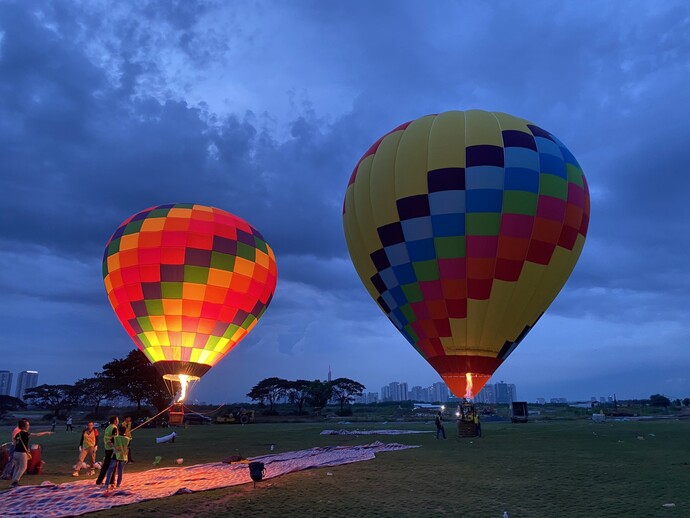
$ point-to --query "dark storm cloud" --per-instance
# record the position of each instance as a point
(263, 109)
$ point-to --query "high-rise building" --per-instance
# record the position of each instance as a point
(25, 380)
(329, 374)
(367, 398)
(487, 395)
(426, 395)
(5, 383)
(416, 393)
(385, 393)
(439, 392)
(403, 392)
(395, 391)
(504, 393)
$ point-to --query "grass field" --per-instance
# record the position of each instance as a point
(570, 468)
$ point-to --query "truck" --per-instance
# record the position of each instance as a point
(518, 411)
(236, 415)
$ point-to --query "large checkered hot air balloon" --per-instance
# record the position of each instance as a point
(464, 226)
(188, 282)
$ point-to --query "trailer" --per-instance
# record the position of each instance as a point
(518, 411)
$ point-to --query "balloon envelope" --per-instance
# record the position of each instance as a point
(188, 282)
(463, 227)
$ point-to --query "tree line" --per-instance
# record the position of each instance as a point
(315, 393)
(135, 379)
(132, 377)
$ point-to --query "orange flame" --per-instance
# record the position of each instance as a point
(468, 390)
(184, 381)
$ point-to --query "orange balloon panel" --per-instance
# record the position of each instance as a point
(188, 282)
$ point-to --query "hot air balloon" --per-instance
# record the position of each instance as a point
(187, 283)
(463, 227)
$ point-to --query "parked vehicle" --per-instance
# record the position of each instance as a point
(195, 418)
(236, 415)
(518, 410)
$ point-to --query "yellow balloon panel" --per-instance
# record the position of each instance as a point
(463, 227)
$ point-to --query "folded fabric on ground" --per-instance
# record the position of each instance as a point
(166, 438)
(76, 498)
(373, 432)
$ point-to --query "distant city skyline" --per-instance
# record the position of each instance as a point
(25, 380)
(5, 383)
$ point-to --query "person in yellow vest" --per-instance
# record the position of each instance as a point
(88, 444)
(120, 445)
(108, 435)
(478, 424)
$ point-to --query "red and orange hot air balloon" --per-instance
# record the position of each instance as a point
(188, 282)
(463, 227)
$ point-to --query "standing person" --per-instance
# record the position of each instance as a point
(478, 424)
(127, 423)
(53, 424)
(88, 444)
(21, 451)
(68, 424)
(7, 472)
(121, 444)
(440, 429)
(110, 432)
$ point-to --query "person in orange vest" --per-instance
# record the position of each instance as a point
(88, 444)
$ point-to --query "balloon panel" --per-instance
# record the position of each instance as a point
(188, 282)
(463, 227)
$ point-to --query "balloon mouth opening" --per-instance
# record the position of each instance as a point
(184, 380)
(180, 377)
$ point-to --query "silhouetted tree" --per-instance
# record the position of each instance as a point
(268, 390)
(297, 392)
(136, 379)
(659, 400)
(9, 403)
(686, 401)
(53, 397)
(320, 392)
(345, 390)
(94, 391)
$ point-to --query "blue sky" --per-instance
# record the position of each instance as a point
(264, 108)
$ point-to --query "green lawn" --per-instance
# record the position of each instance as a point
(545, 469)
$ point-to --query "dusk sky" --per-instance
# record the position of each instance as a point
(264, 108)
